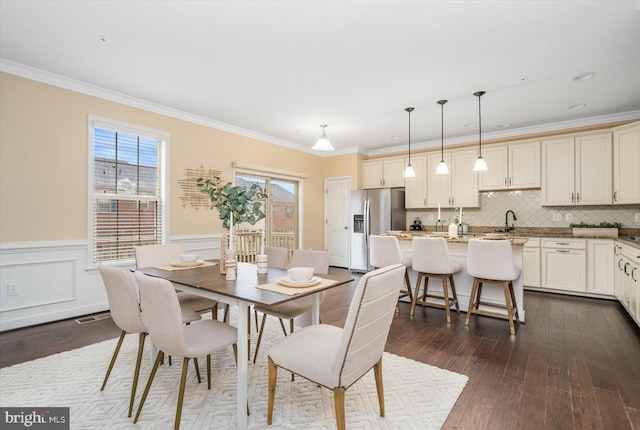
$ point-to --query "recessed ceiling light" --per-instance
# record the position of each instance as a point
(470, 124)
(104, 39)
(504, 125)
(578, 106)
(584, 76)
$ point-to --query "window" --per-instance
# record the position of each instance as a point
(126, 191)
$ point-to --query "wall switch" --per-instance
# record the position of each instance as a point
(557, 216)
(568, 217)
(12, 289)
(638, 217)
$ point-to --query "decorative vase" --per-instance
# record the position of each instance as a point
(262, 263)
(225, 247)
(453, 230)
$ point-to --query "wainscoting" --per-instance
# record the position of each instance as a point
(52, 282)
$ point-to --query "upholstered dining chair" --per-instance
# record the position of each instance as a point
(276, 257)
(335, 357)
(385, 251)
(319, 260)
(161, 315)
(164, 255)
(125, 312)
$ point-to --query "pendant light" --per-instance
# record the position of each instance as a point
(442, 167)
(323, 143)
(480, 163)
(409, 172)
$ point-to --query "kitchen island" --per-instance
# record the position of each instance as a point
(458, 249)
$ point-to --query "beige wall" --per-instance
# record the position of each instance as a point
(43, 163)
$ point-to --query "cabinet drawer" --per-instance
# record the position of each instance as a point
(533, 242)
(562, 243)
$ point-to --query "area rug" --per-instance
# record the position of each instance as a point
(417, 396)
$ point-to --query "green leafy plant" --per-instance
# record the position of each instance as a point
(601, 225)
(245, 203)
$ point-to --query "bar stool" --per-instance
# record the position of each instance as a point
(431, 260)
(491, 261)
(385, 251)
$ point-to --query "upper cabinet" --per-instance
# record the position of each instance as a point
(512, 166)
(383, 173)
(626, 164)
(457, 188)
(415, 189)
(577, 170)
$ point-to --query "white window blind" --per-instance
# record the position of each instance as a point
(128, 196)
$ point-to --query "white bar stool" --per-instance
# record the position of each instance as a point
(385, 251)
(431, 260)
(491, 261)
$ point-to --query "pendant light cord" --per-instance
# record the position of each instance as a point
(441, 103)
(479, 94)
(409, 109)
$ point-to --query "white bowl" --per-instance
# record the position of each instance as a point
(189, 258)
(300, 274)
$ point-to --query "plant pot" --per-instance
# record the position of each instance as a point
(595, 232)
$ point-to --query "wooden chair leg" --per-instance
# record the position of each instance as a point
(136, 373)
(453, 292)
(479, 294)
(407, 281)
(513, 301)
(426, 287)
(159, 358)
(273, 376)
(195, 364)
(209, 372)
(293, 376)
(183, 381)
(225, 318)
(377, 370)
(338, 401)
(507, 299)
(113, 359)
(445, 294)
(264, 319)
(474, 289)
(214, 312)
(415, 296)
(255, 315)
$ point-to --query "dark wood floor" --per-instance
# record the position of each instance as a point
(575, 364)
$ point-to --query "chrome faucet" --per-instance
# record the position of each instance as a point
(506, 221)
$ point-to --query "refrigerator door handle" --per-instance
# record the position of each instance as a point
(366, 225)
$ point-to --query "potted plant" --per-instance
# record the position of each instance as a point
(604, 229)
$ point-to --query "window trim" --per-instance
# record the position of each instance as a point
(163, 164)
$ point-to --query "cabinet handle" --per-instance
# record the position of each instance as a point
(563, 243)
(505, 182)
(633, 276)
(615, 196)
(620, 261)
(616, 249)
(577, 197)
(625, 268)
(572, 199)
(562, 250)
(510, 181)
(425, 202)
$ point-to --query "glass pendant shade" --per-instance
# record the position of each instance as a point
(323, 144)
(442, 166)
(480, 165)
(409, 172)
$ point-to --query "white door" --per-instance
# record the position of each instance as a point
(337, 200)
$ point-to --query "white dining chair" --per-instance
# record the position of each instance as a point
(161, 315)
(335, 358)
(276, 257)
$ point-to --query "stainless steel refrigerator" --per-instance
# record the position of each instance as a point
(373, 212)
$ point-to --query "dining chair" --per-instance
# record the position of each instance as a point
(385, 251)
(161, 315)
(164, 255)
(491, 262)
(292, 309)
(431, 259)
(276, 257)
(125, 312)
(336, 358)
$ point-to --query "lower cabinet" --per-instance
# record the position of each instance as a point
(600, 264)
(531, 263)
(564, 264)
(626, 279)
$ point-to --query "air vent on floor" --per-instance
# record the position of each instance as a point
(91, 318)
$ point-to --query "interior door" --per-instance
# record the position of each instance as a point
(337, 207)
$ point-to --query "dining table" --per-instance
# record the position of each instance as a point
(249, 288)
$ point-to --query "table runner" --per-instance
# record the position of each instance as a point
(292, 291)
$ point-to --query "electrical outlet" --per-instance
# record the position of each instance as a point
(568, 217)
(12, 289)
(557, 216)
(638, 217)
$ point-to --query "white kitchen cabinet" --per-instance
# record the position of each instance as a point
(531, 263)
(564, 264)
(383, 173)
(415, 189)
(511, 166)
(626, 164)
(459, 187)
(577, 170)
(627, 282)
(600, 264)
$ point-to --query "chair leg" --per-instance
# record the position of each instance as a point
(113, 359)
(273, 376)
(445, 294)
(415, 296)
(225, 318)
(453, 291)
(338, 402)
(282, 325)
(249, 334)
(209, 372)
(214, 312)
(474, 290)
(377, 370)
(159, 358)
(183, 380)
(264, 319)
(136, 373)
(507, 299)
(293, 376)
(513, 301)
(426, 287)
(255, 314)
(407, 281)
(195, 364)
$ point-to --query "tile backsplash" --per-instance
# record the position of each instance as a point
(527, 205)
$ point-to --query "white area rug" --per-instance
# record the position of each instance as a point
(417, 396)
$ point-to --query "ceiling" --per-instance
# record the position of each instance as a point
(279, 69)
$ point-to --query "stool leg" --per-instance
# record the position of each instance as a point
(479, 294)
(445, 294)
(408, 282)
(453, 291)
(507, 298)
(415, 296)
(513, 301)
(474, 289)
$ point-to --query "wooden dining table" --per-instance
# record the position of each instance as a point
(243, 292)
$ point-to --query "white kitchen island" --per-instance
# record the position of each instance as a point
(458, 249)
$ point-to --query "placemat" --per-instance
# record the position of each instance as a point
(291, 291)
(171, 268)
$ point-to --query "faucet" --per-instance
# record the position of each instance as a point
(506, 221)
